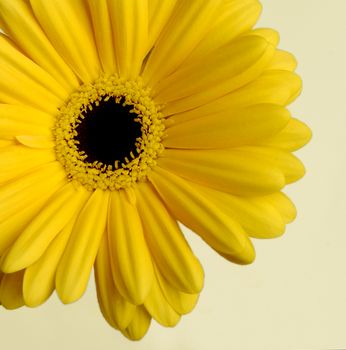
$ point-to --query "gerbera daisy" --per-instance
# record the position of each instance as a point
(119, 119)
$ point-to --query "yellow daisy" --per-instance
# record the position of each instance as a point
(119, 119)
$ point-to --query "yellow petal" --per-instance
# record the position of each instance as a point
(117, 311)
(167, 244)
(23, 82)
(195, 211)
(234, 18)
(139, 324)
(236, 171)
(11, 295)
(159, 308)
(228, 128)
(19, 22)
(130, 32)
(292, 168)
(26, 114)
(272, 87)
(39, 278)
(283, 60)
(36, 141)
(37, 236)
(234, 65)
(68, 27)
(159, 13)
(6, 143)
(76, 263)
(284, 206)
(295, 135)
(270, 35)
(103, 34)
(18, 160)
(182, 303)
(256, 215)
(13, 226)
(130, 257)
(187, 25)
(17, 194)
(12, 127)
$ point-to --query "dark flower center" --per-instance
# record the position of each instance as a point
(108, 132)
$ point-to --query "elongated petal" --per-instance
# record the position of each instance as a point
(228, 128)
(236, 171)
(292, 168)
(18, 160)
(11, 127)
(39, 278)
(17, 194)
(234, 18)
(103, 34)
(11, 295)
(14, 224)
(23, 82)
(159, 308)
(182, 303)
(167, 244)
(130, 257)
(188, 24)
(76, 263)
(256, 215)
(234, 65)
(283, 60)
(295, 135)
(284, 206)
(159, 13)
(19, 22)
(139, 324)
(36, 141)
(195, 211)
(37, 236)
(272, 87)
(117, 311)
(68, 27)
(130, 30)
(26, 114)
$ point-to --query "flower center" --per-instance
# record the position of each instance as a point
(108, 134)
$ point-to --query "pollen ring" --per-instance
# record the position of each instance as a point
(132, 96)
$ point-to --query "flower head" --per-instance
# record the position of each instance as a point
(119, 119)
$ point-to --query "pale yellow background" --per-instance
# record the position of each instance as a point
(294, 295)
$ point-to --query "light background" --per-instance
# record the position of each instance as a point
(294, 295)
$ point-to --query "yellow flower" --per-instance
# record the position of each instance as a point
(119, 118)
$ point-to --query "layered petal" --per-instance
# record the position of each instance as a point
(283, 205)
(195, 211)
(37, 236)
(139, 324)
(159, 13)
(235, 65)
(101, 20)
(283, 60)
(228, 128)
(170, 250)
(20, 24)
(159, 308)
(130, 31)
(131, 261)
(117, 311)
(39, 278)
(76, 263)
(25, 83)
(295, 135)
(234, 18)
(68, 27)
(11, 295)
(17, 194)
(187, 25)
(238, 171)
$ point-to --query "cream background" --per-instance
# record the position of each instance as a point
(294, 295)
